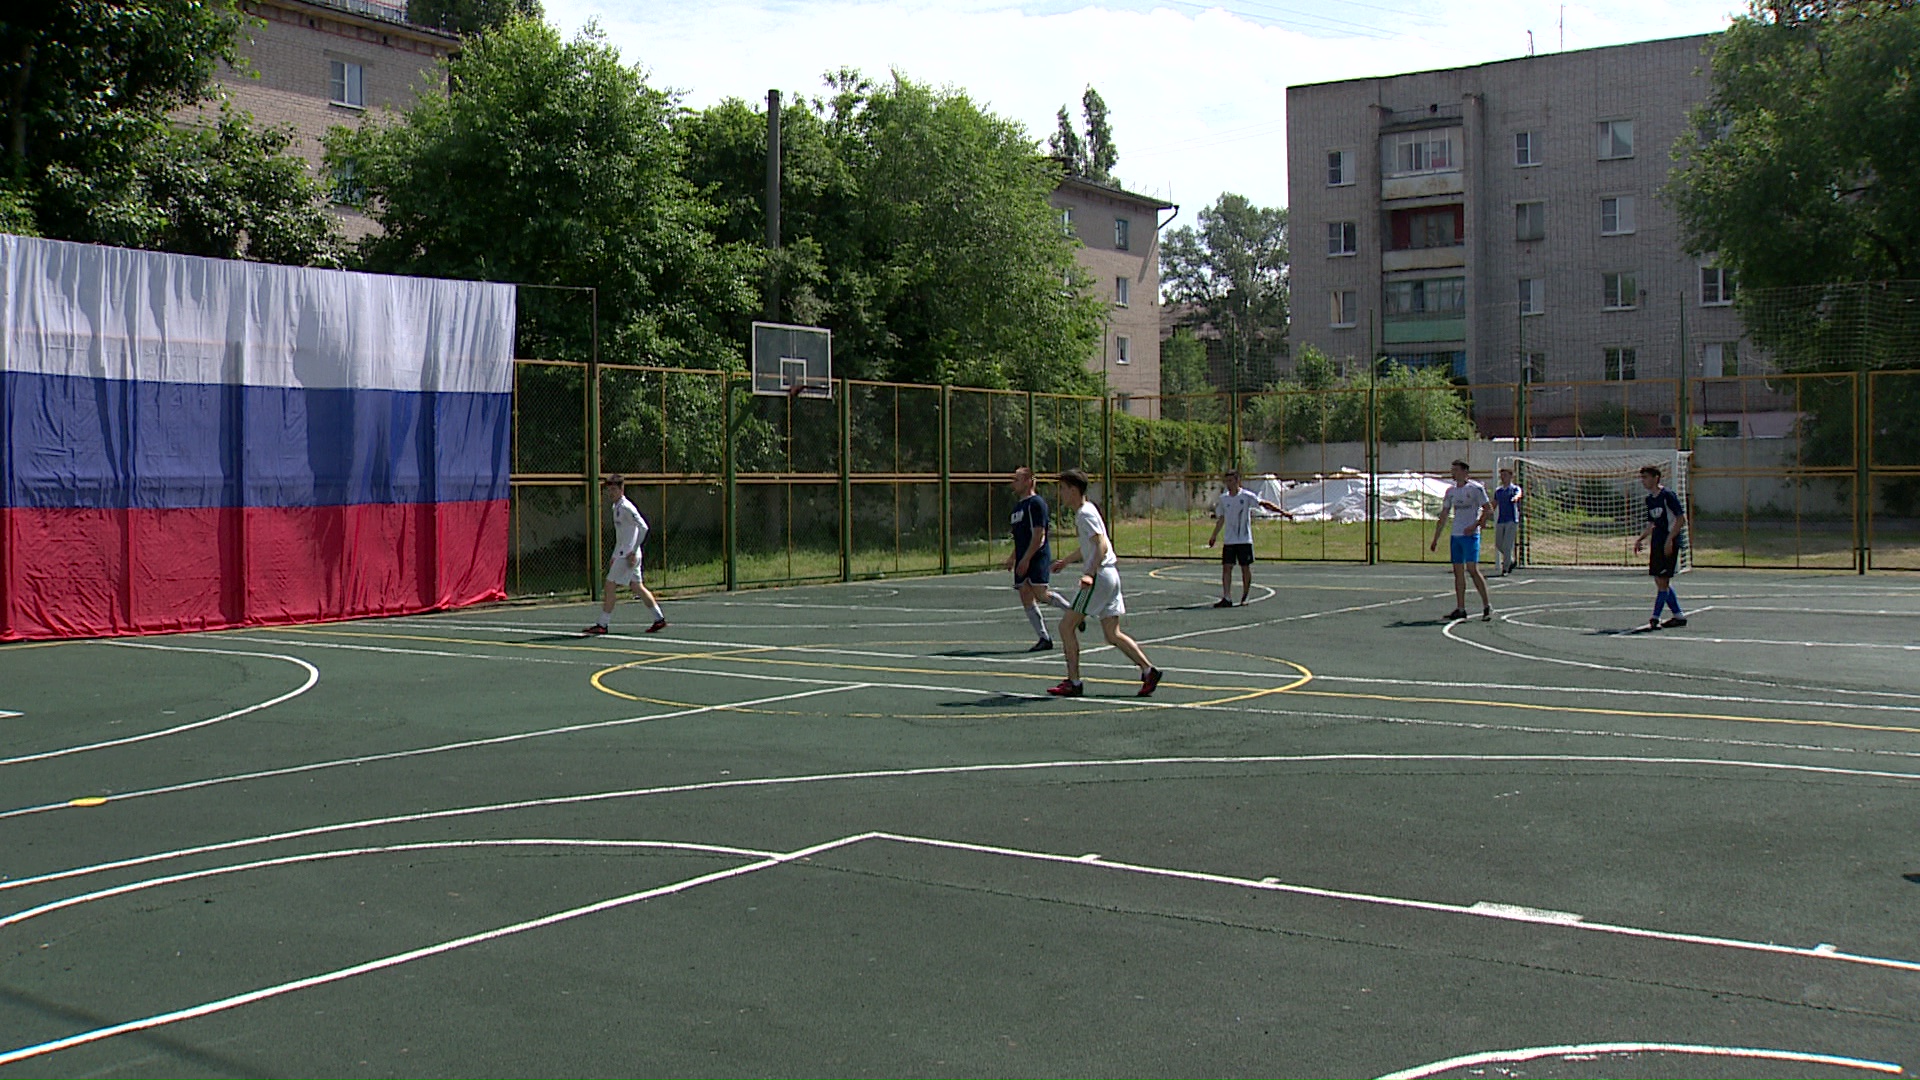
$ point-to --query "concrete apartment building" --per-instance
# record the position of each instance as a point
(321, 63)
(1119, 233)
(1503, 221)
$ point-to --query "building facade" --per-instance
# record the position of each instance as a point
(1503, 221)
(317, 64)
(1119, 234)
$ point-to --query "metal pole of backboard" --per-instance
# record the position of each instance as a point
(773, 204)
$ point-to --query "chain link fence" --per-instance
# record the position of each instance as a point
(1792, 471)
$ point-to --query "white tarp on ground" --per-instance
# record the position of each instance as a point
(1342, 497)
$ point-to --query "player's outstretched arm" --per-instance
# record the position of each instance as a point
(1281, 510)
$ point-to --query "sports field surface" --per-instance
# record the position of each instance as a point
(843, 831)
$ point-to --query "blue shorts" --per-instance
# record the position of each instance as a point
(1465, 549)
(1039, 572)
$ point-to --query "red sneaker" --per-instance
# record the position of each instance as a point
(1149, 681)
(596, 628)
(658, 625)
(1067, 688)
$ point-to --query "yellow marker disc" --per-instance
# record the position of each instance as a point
(90, 800)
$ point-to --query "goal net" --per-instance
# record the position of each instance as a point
(1585, 507)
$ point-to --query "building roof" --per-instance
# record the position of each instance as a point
(1113, 191)
(1510, 60)
(387, 16)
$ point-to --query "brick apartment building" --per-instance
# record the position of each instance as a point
(1119, 233)
(321, 63)
(1503, 221)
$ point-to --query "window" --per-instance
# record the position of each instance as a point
(1616, 139)
(1343, 238)
(1454, 362)
(1427, 296)
(347, 84)
(1619, 292)
(1339, 168)
(1123, 350)
(1440, 226)
(1123, 401)
(1346, 308)
(1121, 291)
(347, 190)
(1716, 287)
(1533, 296)
(1526, 148)
(1408, 153)
(1616, 215)
(1619, 364)
(1536, 369)
(1720, 358)
(1529, 221)
(1120, 226)
(1066, 220)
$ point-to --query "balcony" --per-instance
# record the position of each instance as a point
(1420, 329)
(1433, 258)
(1422, 185)
(1430, 116)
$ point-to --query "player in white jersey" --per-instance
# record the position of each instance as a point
(1467, 505)
(1233, 511)
(629, 532)
(1099, 591)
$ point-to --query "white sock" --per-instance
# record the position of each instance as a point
(606, 618)
(658, 616)
(1033, 617)
(1061, 602)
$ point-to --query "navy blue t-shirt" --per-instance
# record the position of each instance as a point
(1663, 506)
(1029, 514)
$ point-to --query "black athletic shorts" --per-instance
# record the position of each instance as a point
(1661, 564)
(1236, 554)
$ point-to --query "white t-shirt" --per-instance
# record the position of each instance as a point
(1235, 511)
(1087, 524)
(1465, 500)
(629, 528)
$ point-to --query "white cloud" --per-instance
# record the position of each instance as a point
(1196, 93)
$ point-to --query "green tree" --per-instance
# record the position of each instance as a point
(101, 145)
(1320, 402)
(917, 227)
(471, 16)
(1232, 270)
(1803, 165)
(556, 164)
(1091, 156)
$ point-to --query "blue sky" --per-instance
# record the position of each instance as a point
(1201, 109)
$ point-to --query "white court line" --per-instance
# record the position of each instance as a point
(1495, 1057)
(385, 849)
(1484, 910)
(1601, 691)
(396, 959)
(7, 715)
(442, 748)
(1504, 913)
(313, 676)
(1692, 636)
(943, 770)
(308, 643)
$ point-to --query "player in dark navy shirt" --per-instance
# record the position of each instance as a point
(1032, 558)
(1666, 517)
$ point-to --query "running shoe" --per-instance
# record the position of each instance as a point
(1067, 688)
(1148, 682)
(1223, 602)
(1042, 645)
(1486, 614)
(1653, 623)
(1677, 620)
(1456, 614)
(658, 625)
(596, 628)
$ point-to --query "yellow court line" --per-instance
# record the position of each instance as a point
(605, 689)
(1593, 711)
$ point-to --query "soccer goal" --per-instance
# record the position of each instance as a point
(1585, 507)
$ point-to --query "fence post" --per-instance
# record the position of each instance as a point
(1106, 457)
(1033, 440)
(846, 482)
(1683, 415)
(727, 474)
(595, 554)
(946, 478)
(1863, 471)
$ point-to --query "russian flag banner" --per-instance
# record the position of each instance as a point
(190, 444)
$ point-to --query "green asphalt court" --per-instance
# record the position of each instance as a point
(844, 831)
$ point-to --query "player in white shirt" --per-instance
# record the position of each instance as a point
(629, 532)
(1233, 511)
(1466, 504)
(1099, 591)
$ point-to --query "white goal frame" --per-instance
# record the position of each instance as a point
(1584, 508)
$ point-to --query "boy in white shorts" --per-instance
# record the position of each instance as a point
(1100, 579)
(629, 532)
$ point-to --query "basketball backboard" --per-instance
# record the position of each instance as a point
(792, 360)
